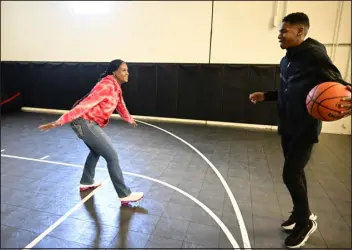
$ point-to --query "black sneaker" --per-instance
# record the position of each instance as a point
(290, 223)
(299, 235)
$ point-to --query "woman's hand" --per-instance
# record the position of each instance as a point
(49, 126)
(133, 123)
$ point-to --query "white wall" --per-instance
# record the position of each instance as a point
(244, 32)
(169, 31)
(134, 31)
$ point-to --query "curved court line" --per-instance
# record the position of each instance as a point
(67, 214)
(238, 213)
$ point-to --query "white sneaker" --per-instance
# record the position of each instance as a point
(133, 197)
(83, 187)
(291, 222)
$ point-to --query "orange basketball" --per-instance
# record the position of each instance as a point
(323, 100)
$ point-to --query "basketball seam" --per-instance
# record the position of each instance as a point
(326, 89)
(311, 98)
(318, 109)
(315, 90)
(324, 106)
(329, 98)
(314, 102)
(316, 87)
(319, 104)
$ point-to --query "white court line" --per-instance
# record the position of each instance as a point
(45, 157)
(2, 150)
(61, 219)
(238, 213)
(244, 233)
(52, 227)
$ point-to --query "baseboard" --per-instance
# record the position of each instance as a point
(167, 119)
(187, 121)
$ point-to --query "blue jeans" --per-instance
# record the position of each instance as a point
(100, 145)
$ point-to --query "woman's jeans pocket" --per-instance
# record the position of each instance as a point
(94, 129)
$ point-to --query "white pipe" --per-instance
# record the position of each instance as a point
(166, 119)
(348, 71)
(276, 9)
(285, 7)
(248, 127)
(337, 30)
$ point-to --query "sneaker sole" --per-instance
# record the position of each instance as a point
(312, 230)
(126, 203)
(313, 217)
(82, 189)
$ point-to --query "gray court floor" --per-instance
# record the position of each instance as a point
(36, 194)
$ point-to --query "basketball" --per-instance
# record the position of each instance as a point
(323, 101)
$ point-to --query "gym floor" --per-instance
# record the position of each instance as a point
(186, 204)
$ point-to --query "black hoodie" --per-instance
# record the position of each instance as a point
(303, 67)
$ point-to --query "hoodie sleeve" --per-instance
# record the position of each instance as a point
(98, 94)
(326, 69)
(122, 110)
(271, 96)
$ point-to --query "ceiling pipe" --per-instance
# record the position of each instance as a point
(285, 9)
(337, 30)
(348, 70)
(275, 17)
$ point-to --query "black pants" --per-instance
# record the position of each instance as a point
(297, 153)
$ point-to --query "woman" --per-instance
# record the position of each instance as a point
(87, 120)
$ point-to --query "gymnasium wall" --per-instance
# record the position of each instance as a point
(50, 48)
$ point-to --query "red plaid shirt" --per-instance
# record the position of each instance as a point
(98, 106)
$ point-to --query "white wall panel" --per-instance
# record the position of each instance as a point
(167, 31)
(157, 31)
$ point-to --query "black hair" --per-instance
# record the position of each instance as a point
(297, 18)
(113, 66)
